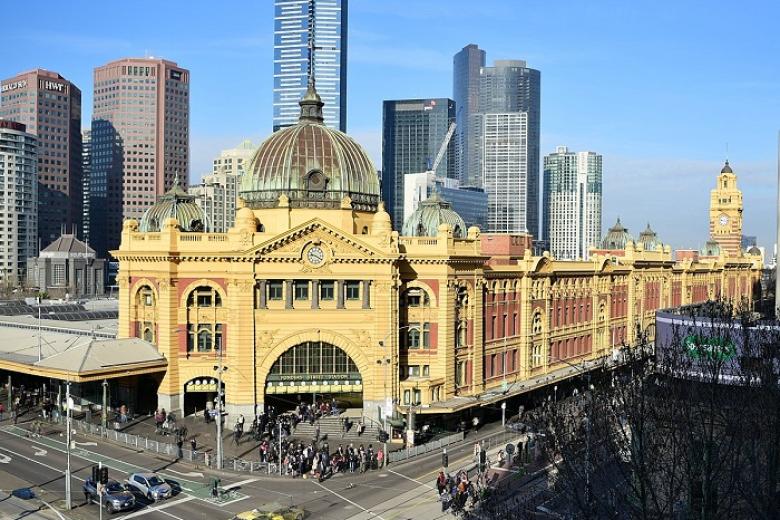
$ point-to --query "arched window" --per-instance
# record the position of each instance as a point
(364, 231)
(145, 297)
(415, 297)
(537, 323)
(461, 337)
(148, 334)
(204, 296)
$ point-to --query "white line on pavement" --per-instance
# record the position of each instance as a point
(345, 499)
(41, 463)
(159, 508)
(241, 483)
(410, 478)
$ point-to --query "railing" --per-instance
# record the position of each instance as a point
(408, 453)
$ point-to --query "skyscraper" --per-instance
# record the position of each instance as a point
(235, 160)
(293, 19)
(413, 131)
(509, 87)
(140, 141)
(50, 107)
(86, 169)
(18, 193)
(505, 169)
(217, 194)
(572, 202)
(465, 91)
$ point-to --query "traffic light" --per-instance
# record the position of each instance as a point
(445, 460)
(104, 475)
(383, 436)
(95, 474)
(482, 460)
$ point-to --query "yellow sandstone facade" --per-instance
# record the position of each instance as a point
(313, 292)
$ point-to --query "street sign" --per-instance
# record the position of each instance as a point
(510, 448)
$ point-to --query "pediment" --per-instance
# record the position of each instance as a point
(335, 243)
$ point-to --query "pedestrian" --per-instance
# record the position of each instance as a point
(179, 444)
(2, 411)
(193, 446)
(215, 487)
(361, 427)
(380, 458)
(441, 482)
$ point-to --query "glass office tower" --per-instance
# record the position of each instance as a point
(291, 59)
(465, 89)
(413, 131)
(509, 87)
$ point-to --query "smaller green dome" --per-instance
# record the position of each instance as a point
(711, 248)
(178, 204)
(617, 237)
(429, 215)
(649, 239)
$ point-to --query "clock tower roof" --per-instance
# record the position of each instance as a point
(726, 168)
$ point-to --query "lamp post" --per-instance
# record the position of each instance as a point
(67, 445)
(219, 368)
(105, 404)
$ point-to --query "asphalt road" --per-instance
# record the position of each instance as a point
(401, 491)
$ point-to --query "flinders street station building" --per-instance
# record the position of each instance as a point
(313, 293)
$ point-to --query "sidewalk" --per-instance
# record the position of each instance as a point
(423, 502)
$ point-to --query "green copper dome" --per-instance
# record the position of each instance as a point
(313, 165)
(178, 204)
(711, 248)
(617, 237)
(649, 239)
(429, 215)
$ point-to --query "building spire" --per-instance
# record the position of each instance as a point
(311, 104)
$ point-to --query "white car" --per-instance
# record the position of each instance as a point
(150, 485)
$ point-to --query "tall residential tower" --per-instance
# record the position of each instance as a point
(413, 131)
(140, 141)
(50, 107)
(572, 202)
(19, 208)
(327, 20)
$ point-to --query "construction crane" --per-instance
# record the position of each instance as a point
(443, 148)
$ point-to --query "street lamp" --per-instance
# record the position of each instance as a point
(220, 369)
(68, 504)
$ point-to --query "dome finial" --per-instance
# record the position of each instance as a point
(311, 104)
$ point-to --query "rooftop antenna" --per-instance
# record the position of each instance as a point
(311, 44)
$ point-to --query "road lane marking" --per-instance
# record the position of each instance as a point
(58, 470)
(4, 459)
(40, 452)
(187, 474)
(410, 478)
(84, 443)
(241, 483)
(345, 499)
(149, 509)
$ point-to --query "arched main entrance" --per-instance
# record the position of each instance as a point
(311, 371)
(199, 394)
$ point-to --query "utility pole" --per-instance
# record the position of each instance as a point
(68, 504)
(40, 353)
(280, 448)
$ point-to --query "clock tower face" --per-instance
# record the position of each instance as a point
(723, 220)
(315, 255)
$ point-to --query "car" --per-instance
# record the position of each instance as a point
(150, 485)
(271, 511)
(115, 498)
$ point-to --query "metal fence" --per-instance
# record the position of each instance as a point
(414, 451)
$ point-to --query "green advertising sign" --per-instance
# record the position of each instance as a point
(702, 347)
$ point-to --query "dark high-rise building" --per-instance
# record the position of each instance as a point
(465, 89)
(327, 19)
(413, 131)
(506, 90)
(50, 107)
(140, 141)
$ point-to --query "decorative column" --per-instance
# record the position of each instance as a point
(315, 294)
(288, 294)
(366, 294)
(262, 303)
(339, 294)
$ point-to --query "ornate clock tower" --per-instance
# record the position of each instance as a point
(726, 212)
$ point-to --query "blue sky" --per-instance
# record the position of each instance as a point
(659, 88)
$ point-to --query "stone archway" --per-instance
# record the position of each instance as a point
(313, 364)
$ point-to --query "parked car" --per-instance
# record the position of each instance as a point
(115, 498)
(271, 511)
(150, 485)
